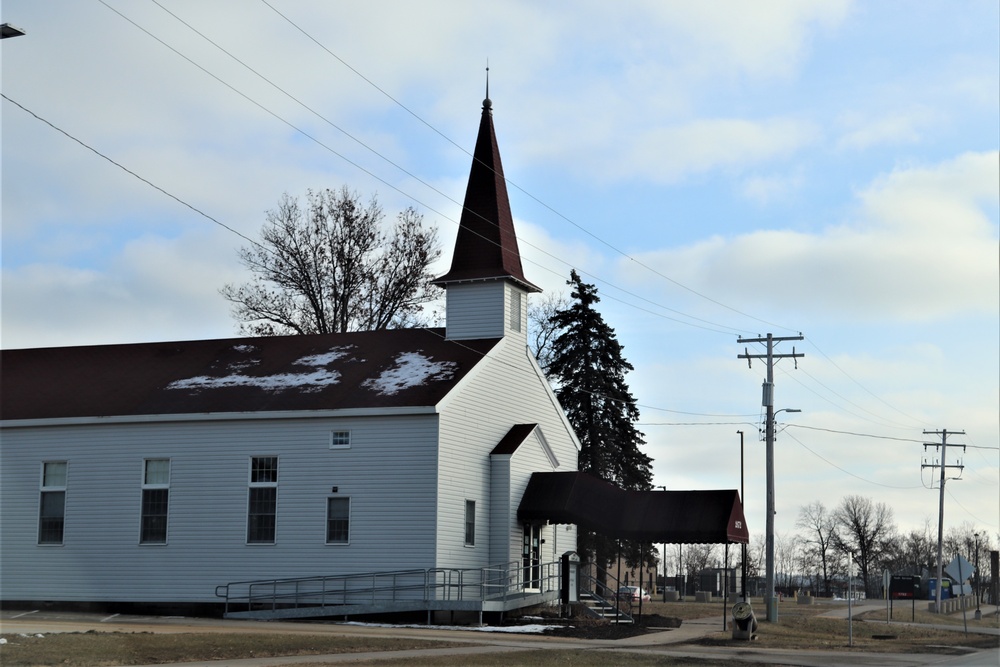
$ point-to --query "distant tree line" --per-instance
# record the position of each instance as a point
(814, 559)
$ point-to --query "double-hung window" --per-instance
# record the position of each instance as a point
(338, 520)
(262, 507)
(52, 503)
(155, 501)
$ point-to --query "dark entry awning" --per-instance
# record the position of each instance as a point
(676, 517)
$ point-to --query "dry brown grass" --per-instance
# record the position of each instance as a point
(800, 627)
(89, 649)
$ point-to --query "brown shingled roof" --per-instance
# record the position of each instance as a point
(372, 369)
(486, 246)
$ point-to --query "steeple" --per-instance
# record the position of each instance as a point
(486, 246)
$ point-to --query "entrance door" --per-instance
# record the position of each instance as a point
(531, 550)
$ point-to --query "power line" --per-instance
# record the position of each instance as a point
(878, 419)
(713, 327)
(227, 227)
(129, 171)
(608, 296)
(717, 328)
(854, 433)
(844, 470)
(521, 189)
(869, 392)
(966, 509)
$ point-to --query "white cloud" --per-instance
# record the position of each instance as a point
(762, 39)
(668, 154)
(904, 127)
(923, 245)
(155, 289)
(767, 189)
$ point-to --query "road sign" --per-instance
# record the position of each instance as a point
(959, 569)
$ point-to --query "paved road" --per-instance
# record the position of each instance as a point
(671, 642)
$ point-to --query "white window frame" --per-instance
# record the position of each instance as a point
(470, 520)
(340, 439)
(44, 489)
(327, 527)
(153, 486)
(254, 485)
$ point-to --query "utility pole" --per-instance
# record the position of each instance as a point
(944, 466)
(768, 402)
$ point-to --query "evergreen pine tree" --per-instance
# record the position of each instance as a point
(588, 371)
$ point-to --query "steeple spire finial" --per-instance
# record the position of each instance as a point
(487, 104)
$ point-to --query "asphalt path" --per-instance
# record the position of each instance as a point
(674, 642)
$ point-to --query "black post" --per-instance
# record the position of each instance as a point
(618, 585)
(743, 550)
(979, 612)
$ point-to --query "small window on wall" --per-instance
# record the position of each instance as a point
(155, 501)
(52, 503)
(338, 520)
(340, 439)
(470, 523)
(262, 504)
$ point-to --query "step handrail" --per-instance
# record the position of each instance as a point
(606, 594)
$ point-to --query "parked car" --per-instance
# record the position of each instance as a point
(633, 593)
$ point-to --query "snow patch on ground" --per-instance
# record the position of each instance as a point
(533, 629)
(411, 369)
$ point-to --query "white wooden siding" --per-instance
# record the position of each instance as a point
(475, 310)
(531, 457)
(389, 473)
(506, 389)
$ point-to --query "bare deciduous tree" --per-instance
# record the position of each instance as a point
(334, 266)
(820, 528)
(541, 330)
(865, 528)
(699, 557)
(786, 557)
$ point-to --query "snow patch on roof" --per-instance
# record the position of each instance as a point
(312, 380)
(411, 369)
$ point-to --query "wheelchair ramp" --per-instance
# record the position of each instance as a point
(497, 588)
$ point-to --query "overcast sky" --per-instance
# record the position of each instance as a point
(717, 169)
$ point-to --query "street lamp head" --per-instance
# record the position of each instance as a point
(8, 30)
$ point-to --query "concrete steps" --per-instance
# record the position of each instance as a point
(599, 608)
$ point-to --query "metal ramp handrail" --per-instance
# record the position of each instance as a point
(500, 582)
